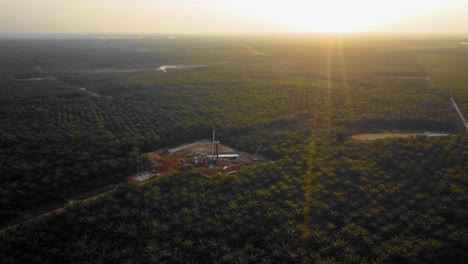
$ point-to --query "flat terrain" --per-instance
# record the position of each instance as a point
(77, 115)
(170, 159)
(384, 135)
(374, 136)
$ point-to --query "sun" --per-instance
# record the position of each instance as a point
(331, 15)
(326, 16)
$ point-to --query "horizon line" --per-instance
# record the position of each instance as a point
(226, 33)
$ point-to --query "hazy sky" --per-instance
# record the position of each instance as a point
(232, 16)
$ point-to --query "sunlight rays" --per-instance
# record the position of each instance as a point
(344, 74)
(329, 73)
(335, 16)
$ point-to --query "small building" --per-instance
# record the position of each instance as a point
(225, 156)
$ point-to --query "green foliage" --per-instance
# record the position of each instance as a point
(326, 199)
(253, 216)
(386, 201)
(352, 206)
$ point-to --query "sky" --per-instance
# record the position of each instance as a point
(233, 16)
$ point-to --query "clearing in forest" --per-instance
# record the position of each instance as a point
(197, 154)
(384, 135)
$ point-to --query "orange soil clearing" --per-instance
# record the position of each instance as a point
(171, 161)
(381, 135)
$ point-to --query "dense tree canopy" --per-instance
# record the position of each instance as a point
(75, 119)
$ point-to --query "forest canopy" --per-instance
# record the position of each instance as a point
(76, 114)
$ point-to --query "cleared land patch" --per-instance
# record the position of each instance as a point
(374, 136)
(198, 155)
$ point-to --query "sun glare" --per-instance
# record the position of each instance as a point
(333, 15)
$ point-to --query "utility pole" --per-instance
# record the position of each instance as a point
(213, 146)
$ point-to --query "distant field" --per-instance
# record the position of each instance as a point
(374, 136)
(381, 136)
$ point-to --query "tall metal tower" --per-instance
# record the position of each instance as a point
(214, 148)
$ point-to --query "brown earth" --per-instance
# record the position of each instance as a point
(375, 136)
(171, 161)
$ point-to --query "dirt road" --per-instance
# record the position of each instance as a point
(459, 112)
(55, 207)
